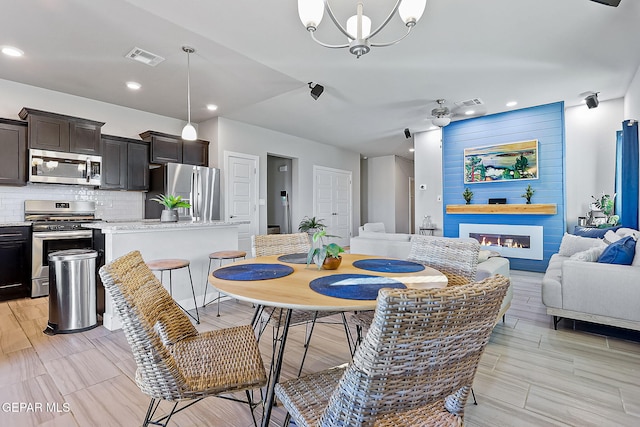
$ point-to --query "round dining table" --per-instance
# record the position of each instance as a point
(270, 282)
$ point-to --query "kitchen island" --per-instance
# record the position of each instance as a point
(193, 241)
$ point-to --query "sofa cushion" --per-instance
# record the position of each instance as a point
(620, 252)
(376, 227)
(624, 232)
(590, 255)
(636, 258)
(572, 244)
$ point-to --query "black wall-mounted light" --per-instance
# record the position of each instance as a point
(316, 90)
(407, 134)
(592, 100)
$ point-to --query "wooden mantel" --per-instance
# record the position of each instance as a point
(515, 209)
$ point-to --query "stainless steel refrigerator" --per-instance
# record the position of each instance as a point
(199, 185)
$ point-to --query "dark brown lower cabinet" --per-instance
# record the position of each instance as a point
(15, 262)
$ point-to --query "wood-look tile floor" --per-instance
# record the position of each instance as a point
(530, 374)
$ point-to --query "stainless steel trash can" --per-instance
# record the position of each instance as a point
(72, 291)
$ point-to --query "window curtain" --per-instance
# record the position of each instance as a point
(627, 174)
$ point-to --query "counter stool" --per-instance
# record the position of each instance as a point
(169, 265)
(220, 256)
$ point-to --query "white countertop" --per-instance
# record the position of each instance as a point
(146, 225)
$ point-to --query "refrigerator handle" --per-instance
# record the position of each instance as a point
(192, 195)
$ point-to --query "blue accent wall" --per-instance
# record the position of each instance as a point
(544, 123)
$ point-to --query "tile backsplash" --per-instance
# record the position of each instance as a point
(110, 205)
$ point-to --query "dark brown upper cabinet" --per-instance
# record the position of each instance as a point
(57, 132)
(125, 164)
(195, 152)
(165, 148)
(13, 152)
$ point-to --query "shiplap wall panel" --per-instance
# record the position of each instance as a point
(544, 123)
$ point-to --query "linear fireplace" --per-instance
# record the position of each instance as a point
(513, 241)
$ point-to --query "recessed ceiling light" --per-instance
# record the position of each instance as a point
(212, 107)
(470, 112)
(412, 149)
(134, 85)
(12, 51)
(512, 103)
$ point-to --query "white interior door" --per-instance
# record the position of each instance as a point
(332, 198)
(241, 199)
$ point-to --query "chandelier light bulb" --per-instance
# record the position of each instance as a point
(189, 132)
(311, 13)
(411, 11)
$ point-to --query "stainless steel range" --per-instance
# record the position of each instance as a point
(56, 227)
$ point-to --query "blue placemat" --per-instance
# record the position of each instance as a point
(253, 272)
(353, 286)
(294, 258)
(388, 265)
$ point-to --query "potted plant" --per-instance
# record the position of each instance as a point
(468, 195)
(311, 225)
(528, 194)
(170, 203)
(324, 256)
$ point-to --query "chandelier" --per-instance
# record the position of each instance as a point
(358, 30)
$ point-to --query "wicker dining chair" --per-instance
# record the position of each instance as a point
(455, 258)
(284, 244)
(174, 361)
(415, 366)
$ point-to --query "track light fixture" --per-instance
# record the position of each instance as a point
(592, 100)
(316, 90)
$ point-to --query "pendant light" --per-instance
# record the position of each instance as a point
(189, 132)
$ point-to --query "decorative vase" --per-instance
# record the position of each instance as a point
(331, 263)
(468, 202)
(528, 202)
(169, 215)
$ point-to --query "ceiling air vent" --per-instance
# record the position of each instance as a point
(470, 102)
(144, 56)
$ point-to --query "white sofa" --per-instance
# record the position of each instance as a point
(575, 286)
(373, 240)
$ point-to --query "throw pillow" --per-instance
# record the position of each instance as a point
(620, 252)
(572, 244)
(483, 256)
(611, 237)
(590, 255)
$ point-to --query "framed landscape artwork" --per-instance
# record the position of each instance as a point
(501, 162)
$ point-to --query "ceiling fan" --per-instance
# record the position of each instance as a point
(613, 3)
(441, 115)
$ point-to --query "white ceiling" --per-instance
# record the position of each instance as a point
(254, 59)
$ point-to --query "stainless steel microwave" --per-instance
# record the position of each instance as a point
(64, 168)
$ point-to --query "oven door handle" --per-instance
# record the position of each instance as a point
(59, 235)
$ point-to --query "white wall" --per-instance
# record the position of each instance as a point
(590, 154)
(119, 120)
(403, 170)
(381, 196)
(632, 99)
(243, 138)
(428, 172)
